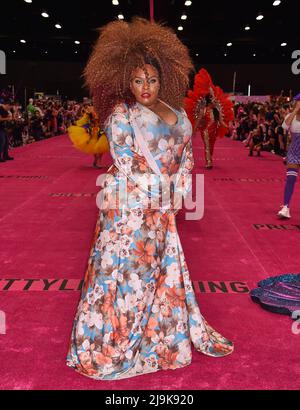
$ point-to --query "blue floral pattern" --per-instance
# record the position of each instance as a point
(138, 311)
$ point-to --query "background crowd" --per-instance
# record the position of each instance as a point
(40, 119)
(257, 125)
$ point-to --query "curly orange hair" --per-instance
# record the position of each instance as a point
(121, 48)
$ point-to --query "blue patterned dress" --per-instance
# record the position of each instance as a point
(293, 155)
(138, 312)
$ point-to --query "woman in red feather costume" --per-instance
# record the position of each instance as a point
(210, 112)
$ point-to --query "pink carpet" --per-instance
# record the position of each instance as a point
(46, 227)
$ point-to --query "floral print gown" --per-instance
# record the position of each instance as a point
(138, 312)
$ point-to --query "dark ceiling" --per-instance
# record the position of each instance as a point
(210, 25)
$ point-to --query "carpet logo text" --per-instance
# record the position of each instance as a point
(66, 285)
(24, 176)
(252, 180)
(272, 227)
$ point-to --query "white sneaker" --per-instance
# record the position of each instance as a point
(284, 212)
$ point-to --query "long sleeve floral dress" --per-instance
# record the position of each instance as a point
(138, 312)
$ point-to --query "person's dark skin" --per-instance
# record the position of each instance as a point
(145, 89)
(145, 86)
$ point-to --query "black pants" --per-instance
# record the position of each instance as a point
(3, 144)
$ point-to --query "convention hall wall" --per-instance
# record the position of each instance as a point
(66, 78)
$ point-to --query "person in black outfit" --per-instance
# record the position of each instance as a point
(37, 130)
(5, 116)
(256, 141)
(269, 140)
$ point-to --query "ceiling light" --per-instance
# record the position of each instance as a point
(76, 52)
(115, 2)
(276, 2)
(197, 55)
(259, 17)
(14, 51)
(225, 55)
(247, 28)
(180, 28)
(45, 14)
(188, 3)
(28, 1)
(283, 44)
(46, 52)
(229, 44)
(120, 17)
(57, 25)
(23, 41)
(184, 17)
(77, 42)
(254, 55)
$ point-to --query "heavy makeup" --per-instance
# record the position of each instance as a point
(145, 86)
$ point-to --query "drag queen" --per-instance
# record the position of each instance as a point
(292, 124)
(210, 112)
(138, 312)
(88, 137)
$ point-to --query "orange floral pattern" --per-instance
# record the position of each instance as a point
(138, 312)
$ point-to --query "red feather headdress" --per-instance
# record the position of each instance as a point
(206, 95)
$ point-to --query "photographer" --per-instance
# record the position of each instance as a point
(5, 116)
(37, 128)
(15, 126)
